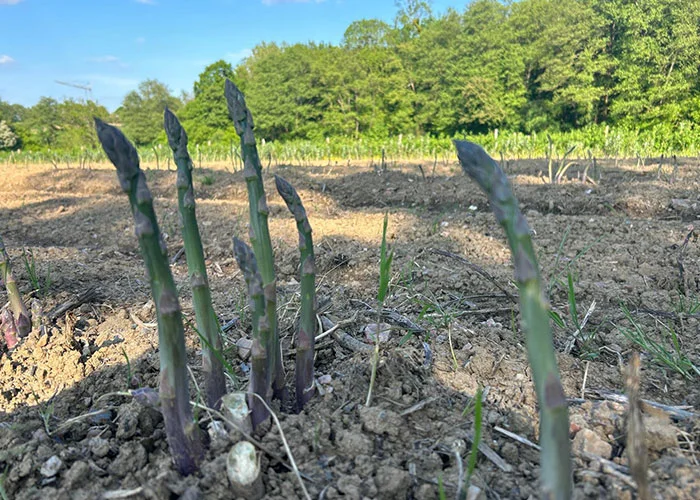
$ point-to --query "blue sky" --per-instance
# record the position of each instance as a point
(113, 45)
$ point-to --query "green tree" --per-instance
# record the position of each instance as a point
(283, 90)
(77, 129)
(656, 44)
(8, 139)
(141, 112)
(366, 33)
(205, 115)
(42, 124)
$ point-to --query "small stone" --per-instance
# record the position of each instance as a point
(51, 467)
(475, 493)
(384, 332)
(588, 441)
(244, 346)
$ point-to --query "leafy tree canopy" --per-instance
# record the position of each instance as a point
(524, 66)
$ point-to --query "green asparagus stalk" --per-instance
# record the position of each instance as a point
(555, 455)
(181, 430)
(8, 329)
(307, 323)
(260, 369)
(207, 322)
(259, 231)
(21, 319)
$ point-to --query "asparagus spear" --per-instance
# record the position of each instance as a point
(21, 323)
(181, 430)
(207, 322)
(8, 327)
(260, 372)
(556, 480)
(307, 324)
(259, 231)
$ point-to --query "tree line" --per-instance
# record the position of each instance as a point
(522, 66)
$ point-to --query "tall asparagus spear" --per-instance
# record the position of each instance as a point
(260, 370)
(181, 430)
(556, 480)
(207, 322)
(307, 323)
(259, 231)
(21, 321)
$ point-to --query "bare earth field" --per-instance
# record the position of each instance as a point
(70, 430)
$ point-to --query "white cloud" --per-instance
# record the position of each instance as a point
(112, 81)
(147, 2)
(239, 55)
(108, 59)
(104, 59)
(4, 58)
(10, 2)
(140, 40)
(277, 2)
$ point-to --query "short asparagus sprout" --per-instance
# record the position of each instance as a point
(260, 368)
(235, 407)
(19, 323)
(8, 329)
(243, 470)
(307, 323)
(207, 322)
(556, 479)
(259, 231)
(181, 430)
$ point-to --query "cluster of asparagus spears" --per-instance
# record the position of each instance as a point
(257, 264)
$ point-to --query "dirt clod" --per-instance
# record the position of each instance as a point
(83, 386)
(380, 421)
(392, 482)
(588, 441)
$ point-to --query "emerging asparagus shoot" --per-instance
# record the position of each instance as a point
(181, 431)
(207, 322)
(307, 323)
(260, 366)
(556, 480)
(19, 322)
(259, 231)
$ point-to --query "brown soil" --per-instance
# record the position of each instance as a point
(64, 433)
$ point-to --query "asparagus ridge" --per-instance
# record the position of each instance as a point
(21, 318)
(260, 373)
(304, 372)
(180, 428)
(207, 322)
(556, 475)
(259, 230)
